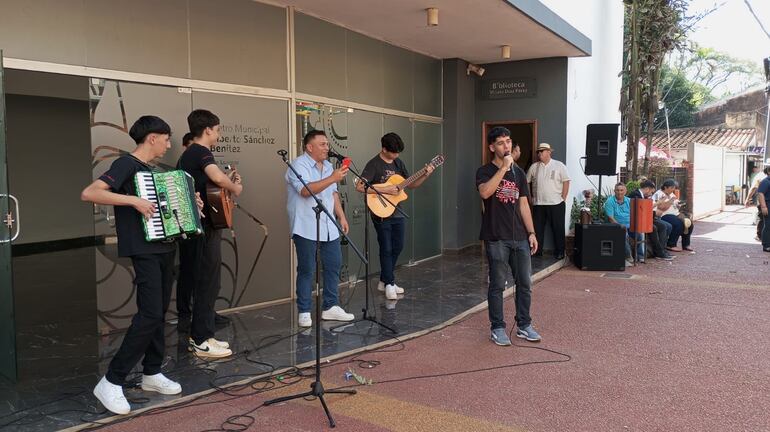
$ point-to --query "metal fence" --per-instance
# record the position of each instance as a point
(677, 173)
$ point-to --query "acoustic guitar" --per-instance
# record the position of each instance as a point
(382, 207)
(221, 204)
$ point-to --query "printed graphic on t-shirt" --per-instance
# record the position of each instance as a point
(507, 192)
(388, 174)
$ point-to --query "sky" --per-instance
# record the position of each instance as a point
(733, 30)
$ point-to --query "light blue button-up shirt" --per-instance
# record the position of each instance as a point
(300, 209)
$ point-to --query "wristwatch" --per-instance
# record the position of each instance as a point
(532, 233)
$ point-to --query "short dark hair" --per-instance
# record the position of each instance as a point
(767, 170)
(199, 120)
(310, 135)
(146, 125)
(392, 142)
(620, 184)
(187, 139)
(497, 132)
(647, 184)
(669, 183)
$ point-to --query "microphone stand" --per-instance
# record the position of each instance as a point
(366, 316)
(316, 388)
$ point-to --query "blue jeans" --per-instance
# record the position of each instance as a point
(677, 230)
(504, 256)
(639, 245)
(331, 261)
(390, 236)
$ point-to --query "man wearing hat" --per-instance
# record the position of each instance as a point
(549, 185)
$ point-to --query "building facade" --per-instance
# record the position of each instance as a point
(77, 74)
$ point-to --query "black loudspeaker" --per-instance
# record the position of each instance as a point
(600, 247)
(602, 148)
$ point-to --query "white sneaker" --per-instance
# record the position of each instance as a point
(390, 292)
(336, 313)
(305, 320)
(209, 349)
(111, 396)
(629, 263)
(221, 344)
(159, 383)
(381, 288)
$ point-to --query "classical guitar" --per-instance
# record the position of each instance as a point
(221, 203)
(382, 207)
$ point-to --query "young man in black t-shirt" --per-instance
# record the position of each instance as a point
(153, 266)
(390, 230)
(204, 253)
(508, 235)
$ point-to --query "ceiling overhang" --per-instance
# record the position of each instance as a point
(474, 30)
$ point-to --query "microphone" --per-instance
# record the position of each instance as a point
(333, 154)
(508, 154)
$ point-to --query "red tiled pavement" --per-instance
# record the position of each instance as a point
(682, 346)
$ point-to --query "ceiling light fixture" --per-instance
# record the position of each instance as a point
(506, 51)
(432, 17)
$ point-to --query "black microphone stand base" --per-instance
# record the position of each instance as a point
(317, 390)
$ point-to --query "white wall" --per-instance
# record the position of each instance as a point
(708, 184)
(732, 173)
(593, 85)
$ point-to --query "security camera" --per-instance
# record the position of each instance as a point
(478, 70)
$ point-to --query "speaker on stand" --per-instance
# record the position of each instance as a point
(600, 246)
(601, 151)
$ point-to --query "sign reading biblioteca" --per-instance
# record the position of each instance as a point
(506, 88)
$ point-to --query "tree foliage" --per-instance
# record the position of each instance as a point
(682, 97)
(711, 69)
(653, 28)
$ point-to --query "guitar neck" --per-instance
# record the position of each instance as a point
(411, 179)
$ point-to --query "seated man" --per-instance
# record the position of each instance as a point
(660, 228)
(618, 210)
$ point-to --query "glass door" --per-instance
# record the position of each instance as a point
(8, 229)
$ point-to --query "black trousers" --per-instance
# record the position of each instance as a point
(658, 237)
(761, 223)
(553, 216)
(185, 284)
(145, 337)
(201, 257)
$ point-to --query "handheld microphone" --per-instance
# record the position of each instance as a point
(333, 154)
(511, 167)
(346, 162)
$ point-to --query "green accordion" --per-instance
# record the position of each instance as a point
(176, 212)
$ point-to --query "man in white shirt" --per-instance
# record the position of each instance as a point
(549, 185)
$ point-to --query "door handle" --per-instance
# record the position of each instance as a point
(9, 221)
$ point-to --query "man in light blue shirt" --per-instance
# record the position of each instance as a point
(618, 210)
(322, 180)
